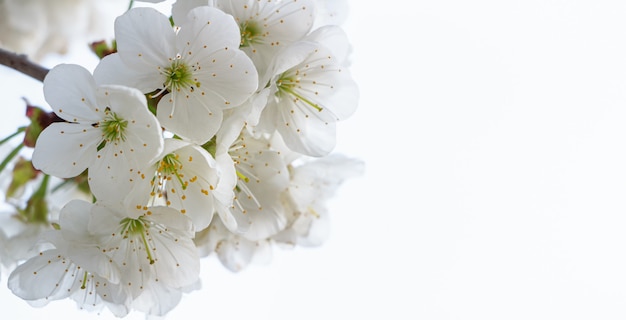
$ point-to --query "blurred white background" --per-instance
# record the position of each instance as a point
(494, 137)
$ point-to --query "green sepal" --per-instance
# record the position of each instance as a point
(102, 48)
(39, 120)
(23, 172)
(211, 146)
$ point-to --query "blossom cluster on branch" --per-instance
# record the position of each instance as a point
(205, 133)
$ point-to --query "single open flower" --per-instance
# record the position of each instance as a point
(108, 130)
(185, 178)
(310, 92)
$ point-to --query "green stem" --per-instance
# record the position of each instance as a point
(130, 4)
(43, 187)
(19, 130)
(10, 157)
(36, 210)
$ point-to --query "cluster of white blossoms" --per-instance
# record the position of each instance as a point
(206, 133)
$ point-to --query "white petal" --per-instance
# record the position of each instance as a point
(289, 57)
(65, 150)
(306, 135)
(93, 260)
(112, 70)
(201, 176)
(207, 26)
(331, 12)
(265, 217)
(230, 80)
(145, 38)
(189, 117)
(180, 9)
(177, 223)
(105, 219)
(224, 193)
(318, 229)
(70, 91)
(177, 262)
(333, 38)
(110, 174)
(331, 87)
(157, 299)
(74, 220)
(44, 276)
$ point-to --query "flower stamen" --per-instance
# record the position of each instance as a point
(287, 84)
(113, 127)
(136, 227)
(178, 76)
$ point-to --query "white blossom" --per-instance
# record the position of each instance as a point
(197, 68)
(233, 251)
(312, 185)
(262, 176)
(186, 178)
(228, 108)
(108, 130)
(309, 92)
(154, 247)
(268, 25)
(75, 268)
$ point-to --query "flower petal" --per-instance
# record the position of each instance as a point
(65, 150)
(74, 219)
(44, 277)
(69, 89)
(110, 174)
(188, 116)
(230, 80)
(306, 133)
(201, 176)
(112, 70)
(145, 38)
(180, 9)
(210, 27)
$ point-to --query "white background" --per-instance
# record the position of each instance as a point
(494, 137)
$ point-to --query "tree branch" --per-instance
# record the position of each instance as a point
(21, 63)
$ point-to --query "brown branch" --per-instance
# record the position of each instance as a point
(21, 63)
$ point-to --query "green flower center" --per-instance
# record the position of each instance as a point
(250, 33)
(113, 127)
(179, 75)
(170, 164)
(169, 167)
(132, 227)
